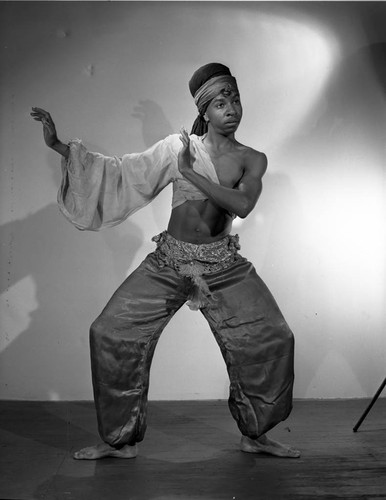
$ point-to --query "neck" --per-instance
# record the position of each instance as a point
(217, 140)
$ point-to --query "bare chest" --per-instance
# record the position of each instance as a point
(229, 168)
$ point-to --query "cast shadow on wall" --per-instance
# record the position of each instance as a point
(71, 275)
(64, 272)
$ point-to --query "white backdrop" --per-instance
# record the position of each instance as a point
(115, 74)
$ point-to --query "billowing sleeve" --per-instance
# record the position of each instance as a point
(99, 191)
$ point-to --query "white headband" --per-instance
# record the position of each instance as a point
(212, 88)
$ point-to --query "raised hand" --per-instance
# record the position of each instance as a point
(49, 131)
(184, 156)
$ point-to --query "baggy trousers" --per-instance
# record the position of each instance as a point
(255, 341)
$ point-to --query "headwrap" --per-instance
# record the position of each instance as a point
(206, 83)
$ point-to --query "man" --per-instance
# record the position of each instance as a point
(215, 178)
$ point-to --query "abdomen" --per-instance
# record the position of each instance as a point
(199, 221)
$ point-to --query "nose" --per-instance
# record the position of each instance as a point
(231, 111)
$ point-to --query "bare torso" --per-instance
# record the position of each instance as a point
(202, 221)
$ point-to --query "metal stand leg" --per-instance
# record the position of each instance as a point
(370, 405)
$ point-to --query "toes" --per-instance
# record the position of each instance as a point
(293, 453)
(84, 454)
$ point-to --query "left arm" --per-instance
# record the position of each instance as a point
(239, 200)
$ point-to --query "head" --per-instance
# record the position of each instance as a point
(217, 98)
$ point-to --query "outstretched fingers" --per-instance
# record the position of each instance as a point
(185, 139)
(38, 113)
(41, 115)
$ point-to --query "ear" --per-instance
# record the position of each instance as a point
(206, 118)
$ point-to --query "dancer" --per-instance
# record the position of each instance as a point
(196, 261)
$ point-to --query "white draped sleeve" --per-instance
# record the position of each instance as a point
(99, 191)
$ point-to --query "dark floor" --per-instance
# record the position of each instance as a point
(191, 452)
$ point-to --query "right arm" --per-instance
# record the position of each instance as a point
(100, 191)
(238, 200)
(49, 132)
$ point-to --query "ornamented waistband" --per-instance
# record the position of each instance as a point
(211, 257)
(195, 260)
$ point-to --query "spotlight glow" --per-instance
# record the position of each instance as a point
(291, 64)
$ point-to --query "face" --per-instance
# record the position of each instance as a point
(224, 112)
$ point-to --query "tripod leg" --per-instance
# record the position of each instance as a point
(370, 406)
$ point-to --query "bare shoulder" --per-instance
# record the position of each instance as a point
(255, 162)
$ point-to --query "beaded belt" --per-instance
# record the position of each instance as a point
(193, 261)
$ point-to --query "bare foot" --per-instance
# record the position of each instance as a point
(104, 450)
(268, 446)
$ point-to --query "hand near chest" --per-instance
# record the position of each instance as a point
(225, 168)
(185, 155)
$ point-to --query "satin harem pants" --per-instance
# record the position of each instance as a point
(255, 341)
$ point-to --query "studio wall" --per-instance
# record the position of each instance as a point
(312, 83)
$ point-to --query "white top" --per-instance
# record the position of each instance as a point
(99, 191)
